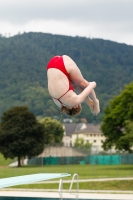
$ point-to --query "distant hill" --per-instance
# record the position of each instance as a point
(23, 59)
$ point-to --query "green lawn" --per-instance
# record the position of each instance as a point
(126, 185)
(84, 172)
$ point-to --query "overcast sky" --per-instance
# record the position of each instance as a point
(105, 19)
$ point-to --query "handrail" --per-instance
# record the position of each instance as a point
(61, 189)
(70, 189)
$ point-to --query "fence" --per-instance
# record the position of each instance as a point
(91, 159)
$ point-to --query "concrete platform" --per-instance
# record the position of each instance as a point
(95, 196)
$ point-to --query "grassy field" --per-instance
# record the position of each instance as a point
(84, 172)
(126, 185)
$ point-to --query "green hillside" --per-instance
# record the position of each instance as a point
(23, 60)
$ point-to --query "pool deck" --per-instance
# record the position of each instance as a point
(97, 195)
(83, 194)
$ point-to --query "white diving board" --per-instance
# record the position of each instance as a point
(32, 178)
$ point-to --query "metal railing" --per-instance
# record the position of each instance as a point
(70, 189)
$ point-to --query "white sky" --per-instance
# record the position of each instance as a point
(105, 19)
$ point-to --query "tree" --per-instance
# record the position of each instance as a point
(127, 137)
(53, 130)
(118, 120)
(21, 134)
(81, 145)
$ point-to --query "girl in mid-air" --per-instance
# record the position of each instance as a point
(64, 77)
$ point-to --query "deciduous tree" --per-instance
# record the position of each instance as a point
(118, 120)
(53, 130)
(81, 145)
(21, 134)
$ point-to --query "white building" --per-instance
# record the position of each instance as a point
(69, 129)
(91, 134)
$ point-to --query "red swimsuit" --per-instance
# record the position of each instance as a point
(57, 62)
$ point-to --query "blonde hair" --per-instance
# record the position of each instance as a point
(71, 111)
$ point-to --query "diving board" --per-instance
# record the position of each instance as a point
(32, 178)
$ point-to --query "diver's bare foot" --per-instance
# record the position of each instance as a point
(94, 106)
(96, 109)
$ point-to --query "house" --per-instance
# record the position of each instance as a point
(70, 128)
(91, 134)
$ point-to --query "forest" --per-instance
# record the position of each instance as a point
(23, 78)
